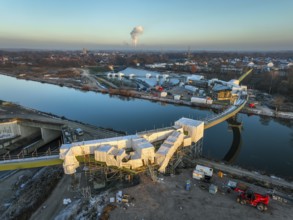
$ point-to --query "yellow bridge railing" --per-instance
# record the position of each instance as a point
(245, 75)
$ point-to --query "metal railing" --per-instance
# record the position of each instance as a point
(21, 155)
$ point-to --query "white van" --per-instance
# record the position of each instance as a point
(78, 131)
(201, 172)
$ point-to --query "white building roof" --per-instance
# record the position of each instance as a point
(191, 88)
(189, 122)
(195, 77)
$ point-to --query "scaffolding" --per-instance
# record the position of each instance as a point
(185, 157)
(97, 175)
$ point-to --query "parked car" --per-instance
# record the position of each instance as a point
(78, 131)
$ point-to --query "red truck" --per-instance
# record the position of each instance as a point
(251, 105)
(254, 199)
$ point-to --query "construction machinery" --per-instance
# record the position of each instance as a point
(251, 105)
(254, 199)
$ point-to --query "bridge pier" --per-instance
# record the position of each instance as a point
(196, 149)
(26, 135)
(49, 135)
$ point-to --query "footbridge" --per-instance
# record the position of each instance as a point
(228, 113)
(232, 110)
(131, 152)
(241, 78)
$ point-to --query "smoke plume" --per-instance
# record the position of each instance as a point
(138, 30)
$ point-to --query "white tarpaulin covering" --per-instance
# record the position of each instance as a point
(89, 147)
(70, 163)
(157, 135)
(186, 141)
(113, 150)
(101, 153)
(145, 149)
(167, 149)
(111, 155)
(194, 128)
(133, 164)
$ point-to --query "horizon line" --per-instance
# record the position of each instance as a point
(150, 50)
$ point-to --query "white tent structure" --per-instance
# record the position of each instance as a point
(192, 128)
(167, 149)
(141, 152)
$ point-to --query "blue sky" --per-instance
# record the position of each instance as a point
(168, 24)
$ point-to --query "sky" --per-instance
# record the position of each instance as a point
(168, 24)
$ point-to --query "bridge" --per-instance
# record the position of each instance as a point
(241, 78)
(228, 113)
(30, 133)
(150, 148)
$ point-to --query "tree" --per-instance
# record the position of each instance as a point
(278, 101)
(290, 80)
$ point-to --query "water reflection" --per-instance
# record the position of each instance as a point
(264, 120)
(234, 150)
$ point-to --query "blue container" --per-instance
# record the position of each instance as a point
(187, 185)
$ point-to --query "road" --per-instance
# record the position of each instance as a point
(93, 82)
(245, 173)
(91, 132)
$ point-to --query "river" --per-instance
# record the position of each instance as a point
(267, 144)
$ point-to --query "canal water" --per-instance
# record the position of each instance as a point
(266, 144)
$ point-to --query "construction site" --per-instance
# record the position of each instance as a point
(54, 168)
(110, 175)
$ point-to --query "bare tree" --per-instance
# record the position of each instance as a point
(278, 101)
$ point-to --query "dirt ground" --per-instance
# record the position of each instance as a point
(23, 192)
(168, 199)
(165, 199)
(54, 204)
(6, 185)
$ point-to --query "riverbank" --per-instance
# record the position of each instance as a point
(96, 87)
(118, 92)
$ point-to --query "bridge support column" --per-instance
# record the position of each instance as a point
(49, 135)
(196, 149)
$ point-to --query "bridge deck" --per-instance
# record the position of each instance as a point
(27, 163)
(234, 109)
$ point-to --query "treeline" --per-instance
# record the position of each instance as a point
(273, 82)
